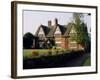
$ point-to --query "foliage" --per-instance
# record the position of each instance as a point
(51, 61)
(31, 53)
(87, 62)
(81, 36)
(77, 18)
(35, 53)
(28, 40)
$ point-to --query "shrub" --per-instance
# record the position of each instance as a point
(49, 52)
(57, 51)
(62, 51)
(35, 53)
(54, 47)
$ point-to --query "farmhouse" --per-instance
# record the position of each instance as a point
(57, 35)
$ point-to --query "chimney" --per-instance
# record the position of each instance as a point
(49, 23)
(56, 21)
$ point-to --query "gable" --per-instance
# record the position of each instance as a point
(69, 29)
(41, 31)
(57, 31)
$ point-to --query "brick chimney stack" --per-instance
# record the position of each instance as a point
(49, 23)
(56, 21)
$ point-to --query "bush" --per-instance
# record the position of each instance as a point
(57, 51)
(35, 53)
(49, 52)
(54, 47)
(62, 51)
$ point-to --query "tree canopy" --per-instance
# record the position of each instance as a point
(28, 40)
(81, 29)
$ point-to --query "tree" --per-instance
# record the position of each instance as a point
(76, 18)
(81, 36)
(28, 40)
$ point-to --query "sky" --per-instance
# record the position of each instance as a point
(33, 19)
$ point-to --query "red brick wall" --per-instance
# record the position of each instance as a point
(65, 43)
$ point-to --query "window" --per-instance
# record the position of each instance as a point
(58, 41)
(72, 44)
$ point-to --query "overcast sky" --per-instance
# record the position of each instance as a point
(32, 19)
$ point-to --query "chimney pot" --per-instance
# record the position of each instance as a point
(56, 21)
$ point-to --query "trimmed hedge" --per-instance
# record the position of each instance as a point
(50, 61)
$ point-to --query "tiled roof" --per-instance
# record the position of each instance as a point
(53, 29)
(45, 30)
(50, 30)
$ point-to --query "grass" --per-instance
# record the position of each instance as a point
(87, 62)
(29, 52)
(32, 53)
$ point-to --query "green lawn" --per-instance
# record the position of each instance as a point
(30, 52)
(87, 62)
(34, 53)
